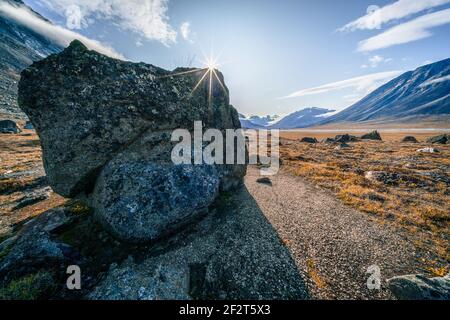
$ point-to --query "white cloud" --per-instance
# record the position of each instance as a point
(375, 60)
(433, 81)
(362, 84)
(147, 18)
(185, 30)
(55, 33)
(376, 16)
(413, 30)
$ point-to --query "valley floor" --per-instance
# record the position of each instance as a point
(315, 205)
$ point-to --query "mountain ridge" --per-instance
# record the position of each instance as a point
(19, 47)
(417, 93)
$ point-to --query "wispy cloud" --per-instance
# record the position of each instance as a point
(413, 30)
(147, 18)
(434, 81)
(185, 30)
(376, 60)
(362, 84)
(55, 33)
(376, 17)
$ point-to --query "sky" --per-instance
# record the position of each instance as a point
(277, 56)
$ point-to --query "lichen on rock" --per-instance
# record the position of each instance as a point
(97, 117)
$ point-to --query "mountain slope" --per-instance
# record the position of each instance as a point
(19, 47)
(256, 122)
(302, 118)
(416, 94)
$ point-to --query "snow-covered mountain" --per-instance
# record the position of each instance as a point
(299, 119)
(19, 47)
(303, 118)
(413, 95)
(256, 122)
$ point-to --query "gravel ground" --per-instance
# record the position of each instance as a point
(331, 243)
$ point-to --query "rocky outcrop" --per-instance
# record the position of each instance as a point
(33, 247)
(374, 135)
(441, 139)
(105, 127)
(9, 126)
(419, 287)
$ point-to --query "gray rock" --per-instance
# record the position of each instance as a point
(264, 180)
(98, 117)
(141, 201)
(33, 197)
(440, 139)
(374, 135)
(345, 138)
(33, 247)
(28, 126)
(328, 140)
(410, 139)
(308, 140)
(418, 287)
(9, 126)
(427, 150)
(390, 178)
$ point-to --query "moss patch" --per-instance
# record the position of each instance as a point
(31, 287)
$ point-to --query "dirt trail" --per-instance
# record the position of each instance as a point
(332, 244)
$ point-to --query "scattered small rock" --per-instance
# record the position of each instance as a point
(383, 177)
(410, 139)
(264, 180)
(28, 126)
(374, 197)
(418, 287)
(33, 197)
(308, 140)
(345, 138)
(342, 145)
(328, 140)
(9, 126)
(428, 150)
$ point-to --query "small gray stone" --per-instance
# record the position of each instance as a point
(9, 126)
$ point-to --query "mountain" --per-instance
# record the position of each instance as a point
(302, 118)
(418, 94)
(19, 47)
(256, 122)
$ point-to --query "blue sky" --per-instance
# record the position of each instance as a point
(278, 56)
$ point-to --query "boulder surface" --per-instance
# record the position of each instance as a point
(105, 127)
(419, 287)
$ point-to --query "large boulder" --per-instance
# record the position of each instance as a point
(105, 127)
(9, 126)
